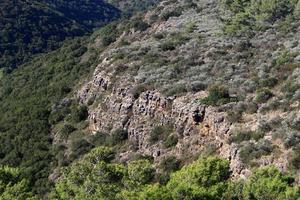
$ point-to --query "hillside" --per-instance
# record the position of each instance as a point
(189, 100)
(31, 27)
(131, 6)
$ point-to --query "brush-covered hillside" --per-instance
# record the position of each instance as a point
(192, 99)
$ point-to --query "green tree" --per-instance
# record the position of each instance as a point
(139, 172)
(92, 177)
(204, 179)
(13, 186)
(270, 184)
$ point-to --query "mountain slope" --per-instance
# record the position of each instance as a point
(31, 27)
(131, 6)
(155, 92)
(186, 86)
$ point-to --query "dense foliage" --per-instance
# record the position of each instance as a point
(249, 15)
(32, 105)
(31, 27)
(27, 96)
(96, 176)
(13, 186)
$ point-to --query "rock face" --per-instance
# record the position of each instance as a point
(199, 127)
(121, 97)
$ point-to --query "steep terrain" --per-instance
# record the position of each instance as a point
(31, 27)
(159, 81)
(131, 6)
(183, 80)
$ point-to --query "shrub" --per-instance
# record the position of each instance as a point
(158, 36)
(57, 116)
(99, 154)
(198, 86)
(109, 34)
(294, 162)
(263, 95)
(79, 147)
(291, 139)
(175, 13)
(99, 138)
(174, 41)
(168, 46)
(218, 95)
(160, 133)
(246, 136)
(170, 164)
(254, 151)
(117, 136)
(13, 185)
(171, 141)
(79, 114)
(234, 115)
(139, 172)
(66, 130)
(176, 90)
(268, 82)
(137, 90)
(140, 25)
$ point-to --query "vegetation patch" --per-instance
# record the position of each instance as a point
(242, 136)
(218, 95)
(253, 151)
(171, 141)
(248, 16)
(174, 13)
(160, 133)
(263, 95)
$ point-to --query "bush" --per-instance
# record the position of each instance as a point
(79, 114)
(140, 25)
(158, 36)
(175, 13)
(218, 95)
(117, 136)
(171, 141)
(109, 34)
(99, 138)
(294, 162)
(168, 46)
(170, 164)
(263, 95)
(234, 115)
(246, 136)
(198, 86)
(176, 90)
(140, 172)
(66, 130)
(268, 82)
(174, 40)
(79, 147)
(160, 133)
(99, 154)
(255, 151)
(13, 185)
(139, 89)
(207, 178)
